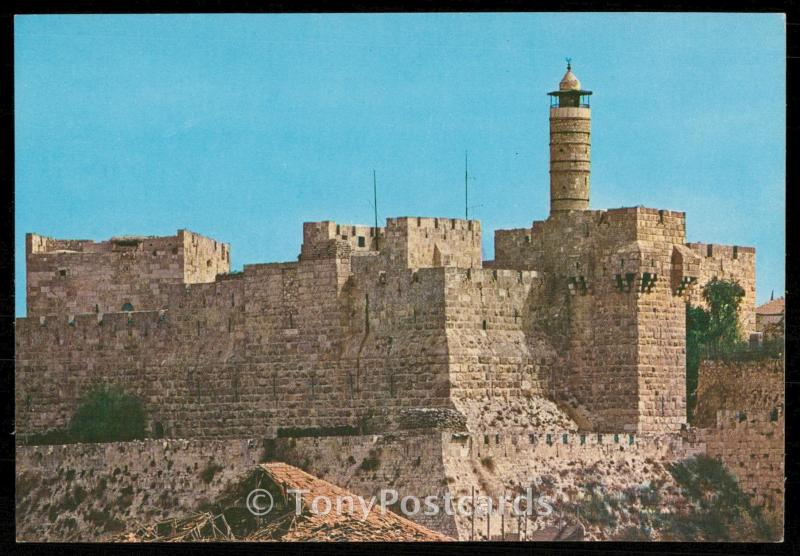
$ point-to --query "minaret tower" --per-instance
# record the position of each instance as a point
(570, 128)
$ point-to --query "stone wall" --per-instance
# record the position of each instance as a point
(728, 262)
(77, 276)
(739, 419)
(203, 258)
(582, 309)
(359, 238)
(280, 345)
(608, 283)
(558, 464)
(411, 464)
(751, 444)
(433, 242)
(748, 386)
(85, 492)
(501, 363)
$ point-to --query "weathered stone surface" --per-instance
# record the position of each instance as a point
(582, 306)
(564, 357)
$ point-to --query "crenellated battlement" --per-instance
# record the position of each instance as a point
(727, 262)
(586, 305)
(417, 242)
(131, 272)
(360, 239)
(566, 353)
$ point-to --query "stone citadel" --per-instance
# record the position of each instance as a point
(577, 326)
(585, 308)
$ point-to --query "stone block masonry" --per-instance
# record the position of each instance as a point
(388, 356)
(87, 491)
(581, 310)
(748, 386)
(124, 273)
(728, 262)
(611, 297)
(579, 319)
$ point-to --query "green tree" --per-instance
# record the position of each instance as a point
(718, 509)
(696, 329)
(712, 332)
(108, 414)
(723, 298)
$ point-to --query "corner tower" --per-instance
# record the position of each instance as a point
(570, 129)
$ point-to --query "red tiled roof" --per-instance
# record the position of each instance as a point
(350, 524)
(774, 307)
(285, 525)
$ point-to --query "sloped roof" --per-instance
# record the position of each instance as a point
(774, 307)
(347, 525)
(283, 524)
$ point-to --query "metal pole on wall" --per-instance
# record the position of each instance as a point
(466, 185)
(375, 198)
(472, 531)
(503, 524)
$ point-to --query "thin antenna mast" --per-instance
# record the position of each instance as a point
(375, 198)
(466, 185)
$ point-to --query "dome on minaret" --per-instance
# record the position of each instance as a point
(569, 82)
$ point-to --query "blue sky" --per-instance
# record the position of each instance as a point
(241, 127)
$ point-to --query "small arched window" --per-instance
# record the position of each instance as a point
(127, 307)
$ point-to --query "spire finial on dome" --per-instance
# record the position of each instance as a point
(569, 82)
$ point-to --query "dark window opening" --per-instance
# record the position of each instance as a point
(735, 251)
(709, 250)
(484, 325)
(127, 307)
(158, 430)
(63, 272)
(362, 242)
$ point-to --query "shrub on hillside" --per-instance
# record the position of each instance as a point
(108, 414)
